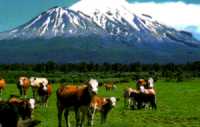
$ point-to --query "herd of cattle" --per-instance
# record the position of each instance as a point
(82, 99)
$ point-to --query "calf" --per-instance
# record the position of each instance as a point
(102, 105)
(44, 93)
(23, 85)
(13, 109)
(76, 98)
(109, 87)
(36, 83)
(2, 85)
(128, 101)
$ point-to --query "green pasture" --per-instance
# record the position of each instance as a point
(178, 105)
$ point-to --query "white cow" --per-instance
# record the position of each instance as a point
(37, 82)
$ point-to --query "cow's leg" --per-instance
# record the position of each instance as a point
(77, 115)
(33, 90)
(104, 116)
(20, 91)
(93, 115)
(66, 117)
(89, 116)
(153, 102)
(46, 100)
(60, 110)
(83, 113)
(24, 92)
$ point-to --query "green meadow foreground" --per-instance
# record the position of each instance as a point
(178, 105)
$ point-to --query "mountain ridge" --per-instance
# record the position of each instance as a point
(120, 36)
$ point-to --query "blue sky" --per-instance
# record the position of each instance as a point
(17, 12)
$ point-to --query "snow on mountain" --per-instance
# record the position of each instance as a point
(57, 21)
(110, 18)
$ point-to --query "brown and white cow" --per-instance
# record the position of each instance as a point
(44, 94)
(25, 106)
(128, 101)
(2, 85)
(36, 83)
(144, 97)
(147, 84)
(102, 105)
(77, 98)
(13, 109)
(23, 85)
(139, 98)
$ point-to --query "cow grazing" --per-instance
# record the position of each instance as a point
(109, 86)
(23, 85)
(2, 85)
(44, 93)
(102, 105)
(36, 83)
(13, 109)
(77, 98)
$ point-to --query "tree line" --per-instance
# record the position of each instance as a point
(117, 71)
(105, 67)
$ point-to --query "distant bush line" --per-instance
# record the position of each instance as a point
(105, 72)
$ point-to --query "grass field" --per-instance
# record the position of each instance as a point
(178, 105)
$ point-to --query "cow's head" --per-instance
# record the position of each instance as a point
(32, 103)
(151, 82)
(25, 107)
(93, 85)
(44, 86)
(112, 101)
(32, 79)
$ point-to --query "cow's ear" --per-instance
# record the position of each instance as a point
(108, 100)
(41, 85)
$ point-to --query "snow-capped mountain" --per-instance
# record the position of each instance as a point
(107, 25)
(97, 17)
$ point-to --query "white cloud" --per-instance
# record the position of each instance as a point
(176, 14)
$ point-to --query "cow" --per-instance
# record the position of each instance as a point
(36, 83)
(146, 83)
(144, 98)
(44, 94)
(23, 85)
(128, 101)
(109, 86)
(141, 82)
(14, 108)
(102, 105)
(2, 85)
(77, 98)
(25, 106)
